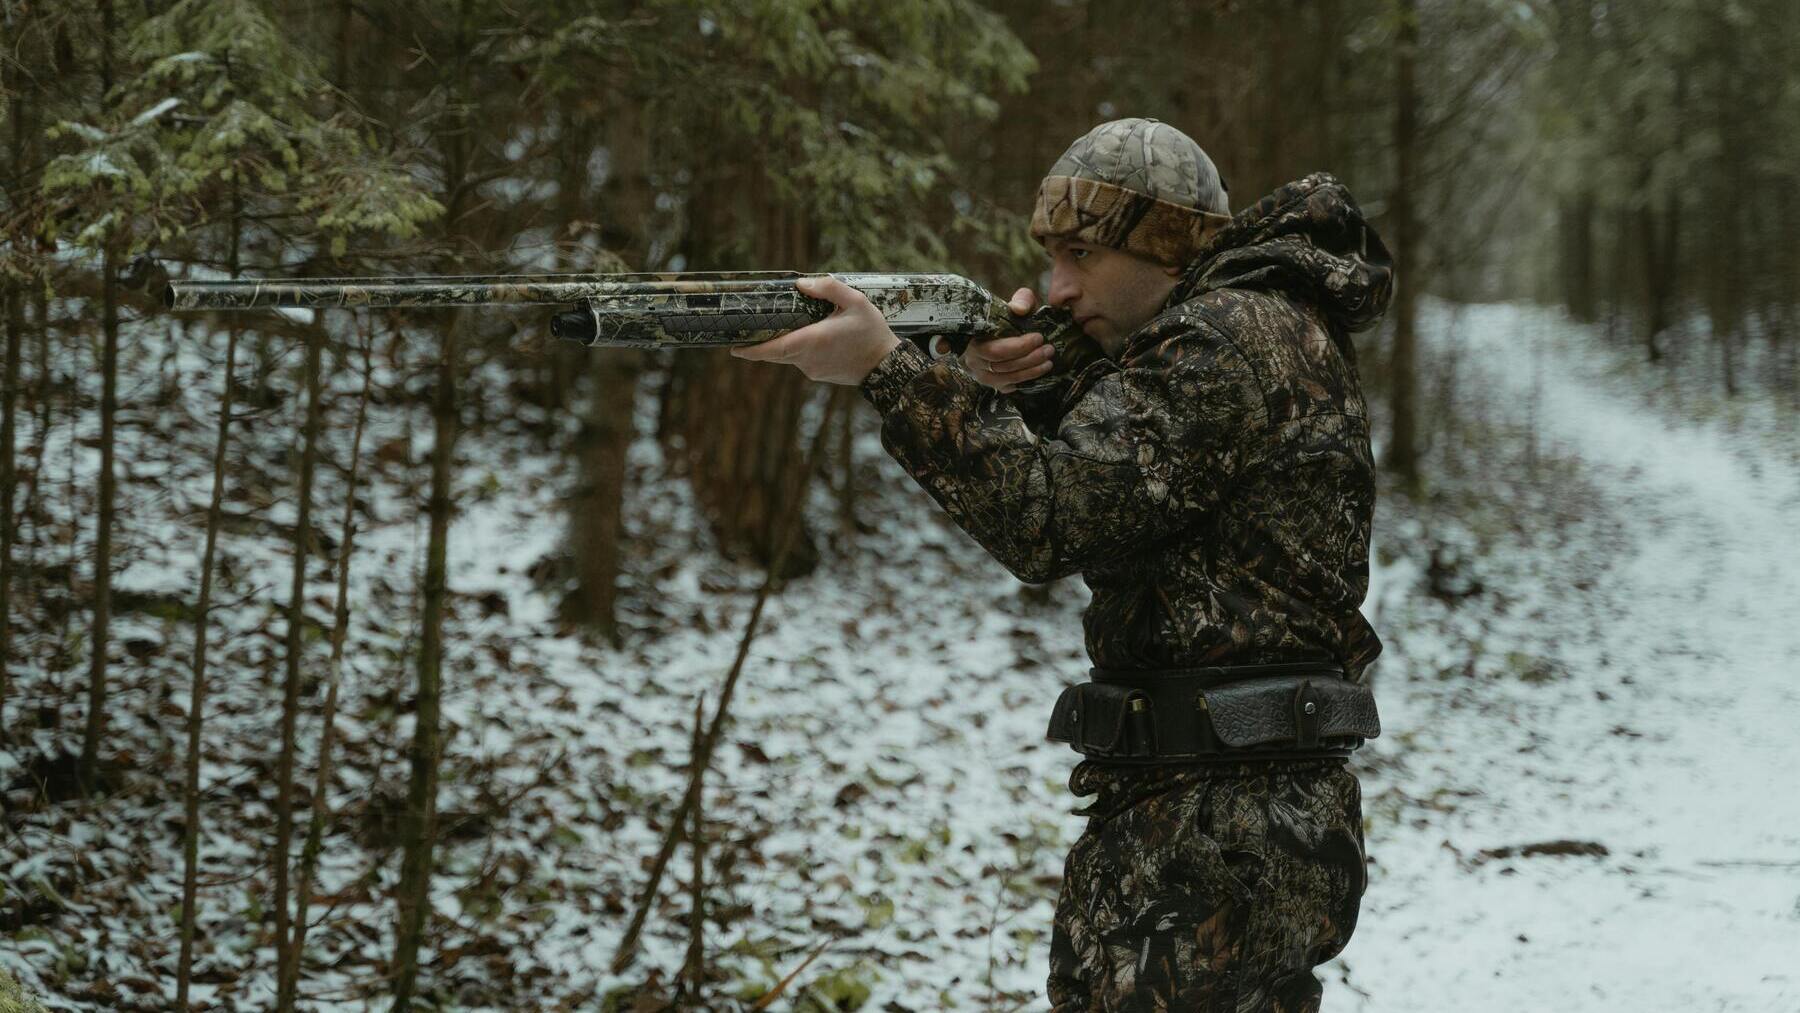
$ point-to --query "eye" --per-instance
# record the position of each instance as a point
(1078, 253)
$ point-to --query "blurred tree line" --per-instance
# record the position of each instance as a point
(1634, 162)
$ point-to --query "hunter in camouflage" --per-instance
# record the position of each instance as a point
(1213, 484)
(1199, 453)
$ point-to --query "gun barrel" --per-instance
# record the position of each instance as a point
(458, 290)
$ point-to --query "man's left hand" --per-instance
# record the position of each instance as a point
(842, 348)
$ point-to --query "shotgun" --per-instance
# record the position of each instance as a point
(656, 310)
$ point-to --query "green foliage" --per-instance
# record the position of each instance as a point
(222, 51)
(226, 113)
(895, 81)
(844, 109)
(842, 990)
(14, 998)
(878, 911)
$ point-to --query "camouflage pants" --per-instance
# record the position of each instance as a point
(1207, 889)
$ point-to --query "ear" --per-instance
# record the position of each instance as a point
(1174, 271)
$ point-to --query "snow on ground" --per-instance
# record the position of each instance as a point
(1625, 679)
(1594, 657)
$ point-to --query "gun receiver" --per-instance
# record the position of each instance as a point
(668, 310)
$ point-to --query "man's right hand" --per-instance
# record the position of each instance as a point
(1004, 363)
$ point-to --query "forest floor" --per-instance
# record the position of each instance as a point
(1578, 800)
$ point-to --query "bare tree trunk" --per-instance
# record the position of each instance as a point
(15, 326)
(419, 825)
(1578, 256)
(1655, 298)
(1402, 450)
(1618, 281)
(739, 427)
(1728, 340)
(109, 403)
(1660, 236)
(1784, 343)
(847, 461)
(1578, 213)
(739, 421)
(340, 74)
(197, 694)
(45, 404)
(608, 422)
(596, 514)
(296, 624)
(10, 79)
(693, 967)
(190, 838)
(287, 991)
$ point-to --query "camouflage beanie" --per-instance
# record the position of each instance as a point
(1135, 185)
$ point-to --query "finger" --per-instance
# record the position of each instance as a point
(987, 378)
(1002, 349)
(1022, 302)
(824, 286)
(778, 349)
(940, 345)
(1013, 382)
(767, 351)
(1010, 366)
(787, 346)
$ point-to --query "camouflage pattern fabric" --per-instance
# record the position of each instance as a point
(1207, 890)
(1214, 486)
(1135, 185)
(1148, 157)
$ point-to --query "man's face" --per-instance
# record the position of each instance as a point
(1111, 293)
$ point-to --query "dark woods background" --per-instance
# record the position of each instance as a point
(1634, 163)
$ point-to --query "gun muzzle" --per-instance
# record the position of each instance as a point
(575, 325)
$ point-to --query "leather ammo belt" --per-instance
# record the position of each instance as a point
(1240, 712)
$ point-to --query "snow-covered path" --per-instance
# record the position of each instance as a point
(1632, 686)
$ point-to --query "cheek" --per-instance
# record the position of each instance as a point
(1151, 293)
(1122, 292)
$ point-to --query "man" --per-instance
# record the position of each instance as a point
(1210, 477)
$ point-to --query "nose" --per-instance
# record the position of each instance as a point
(1063, 288)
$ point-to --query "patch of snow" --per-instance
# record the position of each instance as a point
(154, 111)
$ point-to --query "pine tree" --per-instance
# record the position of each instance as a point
(842, 114)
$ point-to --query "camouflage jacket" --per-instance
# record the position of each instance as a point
(1214, 486)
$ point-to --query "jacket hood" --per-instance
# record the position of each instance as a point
(1307, 240)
